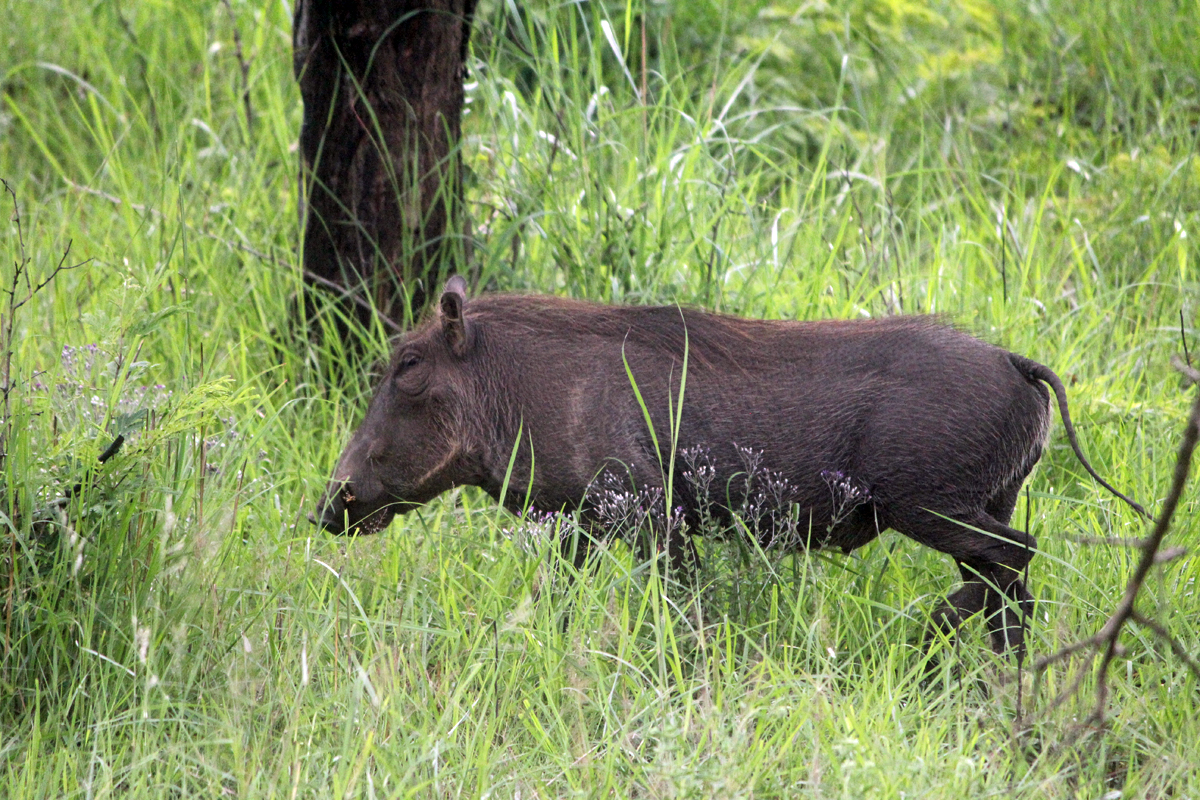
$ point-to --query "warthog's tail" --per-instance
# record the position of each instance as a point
(1035, 371)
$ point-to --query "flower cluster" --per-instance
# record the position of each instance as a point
(623, 510)
(82, 395)
(846, 492)
(768, 503)
(79, 360)
(699, 473)
(756, 500)
(536, 526)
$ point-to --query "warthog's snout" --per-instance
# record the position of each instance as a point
(354, 507)
(331, 508)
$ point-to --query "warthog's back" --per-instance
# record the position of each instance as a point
(910, 408)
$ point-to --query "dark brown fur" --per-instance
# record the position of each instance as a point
(938, 428)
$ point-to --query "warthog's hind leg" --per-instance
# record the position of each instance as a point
(991, 557)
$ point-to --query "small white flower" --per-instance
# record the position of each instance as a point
(141, 638)
(1075, 166)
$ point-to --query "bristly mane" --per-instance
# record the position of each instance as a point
(711, 338)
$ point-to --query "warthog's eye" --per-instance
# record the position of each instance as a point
(407, 362)
(411, 374)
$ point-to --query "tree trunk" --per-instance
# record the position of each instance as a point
(382, 84)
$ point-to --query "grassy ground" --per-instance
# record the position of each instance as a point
(179, 629)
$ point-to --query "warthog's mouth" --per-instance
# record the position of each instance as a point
(343, 523)
(342, 514)
(380, 518)
(374, 522)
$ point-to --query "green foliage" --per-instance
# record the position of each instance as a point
(174, 626)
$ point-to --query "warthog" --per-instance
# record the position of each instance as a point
(866, 425)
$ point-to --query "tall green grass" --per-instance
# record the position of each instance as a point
(178, 628)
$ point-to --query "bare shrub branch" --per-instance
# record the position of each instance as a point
(343, 292)
(243, 64)
(1107, 541)
(1105, 641)
(19, 291)
(1177, 648)
(18, 297)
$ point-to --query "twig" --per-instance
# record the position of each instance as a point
(6, 333)
(112, 198)
(1105, 641)
(1170, 554)
(7, 325)
(349, 294)
(244, 64)
(1176, 647)
(342, 291)
(1070, 690)
(8, 319)
(1191, 374)
(1183, 338)
(1110, 541)
(60, 267)
(1063, 653)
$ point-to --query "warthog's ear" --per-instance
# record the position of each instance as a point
(450, 309)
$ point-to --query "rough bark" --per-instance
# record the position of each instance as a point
(382, 84)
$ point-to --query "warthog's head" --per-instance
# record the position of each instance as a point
(409, 448)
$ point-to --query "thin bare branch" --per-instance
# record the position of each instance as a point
(117, 201)
(59, 268)
(1070, 691)
(1105, 641)
(6, 338)
(1189, 372)
(342, 291)
(1110, 541)
(355, 298)
(16, 217)
(1178, 649)
(244, 64)
(1064, 653)
(1170, 554)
